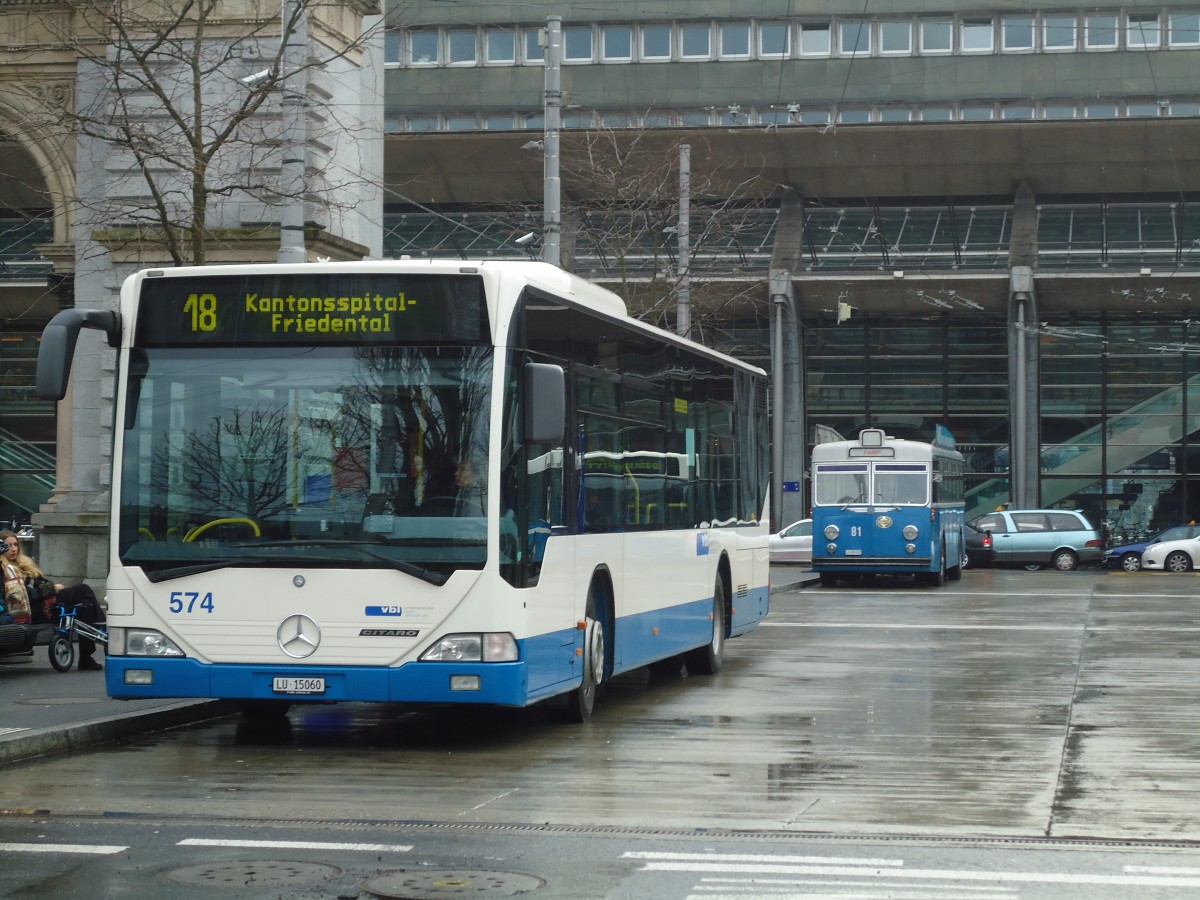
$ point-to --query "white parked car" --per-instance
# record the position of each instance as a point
(793, 544)
(1172, 556)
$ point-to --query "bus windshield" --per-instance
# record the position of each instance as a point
(334, 456)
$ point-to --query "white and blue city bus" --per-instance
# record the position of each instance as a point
(419, 481)
(883, 505)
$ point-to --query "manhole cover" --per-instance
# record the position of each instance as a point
(431, 884)
(59, 701)
(254, 872)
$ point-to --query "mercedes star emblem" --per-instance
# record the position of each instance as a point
(299, 636)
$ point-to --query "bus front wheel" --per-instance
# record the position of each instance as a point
(580, 701)
(707, 660)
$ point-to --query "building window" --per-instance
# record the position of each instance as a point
(895, 114)
(656, 42)
(1143, 109)
(500, 46)
(1183, 109)
(814, 39)
(423, 48)
(658, 119)
(695, 42)
(1100, 32)
(895, 38)
(534, 51)
(1100, 110)
(1185, 29)
(393, 43)
(854, 38)
(976, 113)
(735, 40)
(853, 116)
(814, 117)
(535, 122)
(1059, 111)
(1058, 33)
(1017, 111)
(694, 118)
(935, 35)
(422, 123)
(1141, 30)
(616, 43)
(975, 36)
(461, 123)
(774, 40)
(461, 47)
(577, 44)
(499, 122)
(936, 114)
(1017, 34)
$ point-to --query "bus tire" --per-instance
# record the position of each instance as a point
(936, 579)
(829, 579)
(62, 653)
(579, 702)
(707, 660)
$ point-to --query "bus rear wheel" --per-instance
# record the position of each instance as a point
(707, 660)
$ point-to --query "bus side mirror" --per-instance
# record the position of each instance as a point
(58, 346)
(545, 403)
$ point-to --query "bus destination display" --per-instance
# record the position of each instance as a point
(321, 308)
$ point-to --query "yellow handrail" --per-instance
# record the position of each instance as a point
(200, 529)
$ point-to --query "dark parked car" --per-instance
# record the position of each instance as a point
(1061, 538)
(978, 545)
(1129, 556)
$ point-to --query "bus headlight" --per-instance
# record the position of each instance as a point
(831, 532)
(831, 548)
(910, 532)
(492, 646)
(910, 548)
(141, 642)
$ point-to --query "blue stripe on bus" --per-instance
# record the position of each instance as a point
(549, 665)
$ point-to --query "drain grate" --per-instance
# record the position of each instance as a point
(254, 872)
(431, 884)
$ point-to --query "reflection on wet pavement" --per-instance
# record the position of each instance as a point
(1011, 703)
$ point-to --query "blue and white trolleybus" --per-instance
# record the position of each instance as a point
(886, 505)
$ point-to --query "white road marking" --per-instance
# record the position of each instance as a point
(1164, 870)
(761, 858)
(297, 845)
(1078, 878)
(95, 849)
(12, 730)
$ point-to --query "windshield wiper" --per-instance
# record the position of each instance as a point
(156, 575)
(433, 577)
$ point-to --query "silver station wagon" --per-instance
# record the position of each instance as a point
(1060, 538)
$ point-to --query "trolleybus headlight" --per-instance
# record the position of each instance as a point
(910, 532)
(831, 548)
(831, 532)
(142, 642)
(910, 548)
(492, 646)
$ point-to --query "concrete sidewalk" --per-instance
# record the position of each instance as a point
(43, 711)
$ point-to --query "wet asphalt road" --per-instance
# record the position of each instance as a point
(1007, 707)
